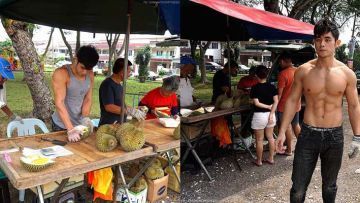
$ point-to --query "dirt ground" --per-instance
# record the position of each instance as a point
(269, 183)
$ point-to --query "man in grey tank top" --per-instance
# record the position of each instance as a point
(73, 86)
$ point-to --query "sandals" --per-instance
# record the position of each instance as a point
(256, 163)
(269, 162)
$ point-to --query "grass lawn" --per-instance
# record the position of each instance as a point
(204, 91)
(20, 102)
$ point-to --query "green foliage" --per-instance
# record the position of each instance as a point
(142, 58)
(162, 73)
(6, 44)
(340, 53)
(58, 59)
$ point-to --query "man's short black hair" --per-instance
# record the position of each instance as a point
(88, 56)
(261, 71)
(324, 26)
(285, 56)
(233, 64)
(119, 65)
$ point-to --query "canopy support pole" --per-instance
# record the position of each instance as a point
(127, 36)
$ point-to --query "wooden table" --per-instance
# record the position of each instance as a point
(85, 158)
(205, 117)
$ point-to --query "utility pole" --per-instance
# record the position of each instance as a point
(352, 45)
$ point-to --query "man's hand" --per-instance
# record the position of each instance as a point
(74, 135)
(354, 147)
(86, 121)
(138, 114)
(279, 143)
(15, 117)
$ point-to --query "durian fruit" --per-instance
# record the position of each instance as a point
(139, 185)
(105, 142)
(237, 102)
(84, 131)
(176, 134)
(36, 163)
(161, 114)
(123, 129)
(132, 140)
(227, 104)
(156, 163)
(198, 111)
(174, 158)
(107, 129)
(220, 99)
(154, 173)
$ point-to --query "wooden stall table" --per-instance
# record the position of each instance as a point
(162, 141)
(205, 118)
(85, 158)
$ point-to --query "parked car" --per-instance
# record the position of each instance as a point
(243, 69)
(152, 75)
(97, 70)
(61, 63)
(212, 66)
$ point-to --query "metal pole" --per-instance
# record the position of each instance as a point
(127, 36)
(228, 52)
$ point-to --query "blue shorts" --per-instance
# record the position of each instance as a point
(293, 122)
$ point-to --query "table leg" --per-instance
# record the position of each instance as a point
(124, 182)
(59, 190)
(40, 194)
(190, 147)
(136, 177)
(172, 167)
(195, 155)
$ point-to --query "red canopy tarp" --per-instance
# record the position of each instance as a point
(215, 19)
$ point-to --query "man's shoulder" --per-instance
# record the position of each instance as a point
(61, 74)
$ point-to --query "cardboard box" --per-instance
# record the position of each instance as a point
(193, 131)
(139, 197)
(157, 189)
(173, 182)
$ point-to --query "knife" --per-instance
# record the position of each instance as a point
(54, 141)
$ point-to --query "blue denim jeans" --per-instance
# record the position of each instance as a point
(312, 142)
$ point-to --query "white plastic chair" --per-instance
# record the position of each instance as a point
(95, 122)
(27, 128)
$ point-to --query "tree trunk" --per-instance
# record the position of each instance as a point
(272, 6)
(112, 42)
(43, 57)
(67, 44)
(193, 45)
(202, 61)
(118, 53)
(77, 41)
(33, 74)
(301, 6)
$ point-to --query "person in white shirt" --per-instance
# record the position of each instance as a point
(185, 91)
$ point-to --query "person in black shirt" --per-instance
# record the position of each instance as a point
(221, 83)
(265, 101)
(110, 96)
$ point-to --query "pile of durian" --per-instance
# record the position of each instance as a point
(128, 135)
(234, 101)
(155, 171)
(36, 163)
